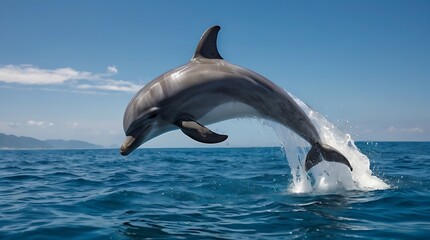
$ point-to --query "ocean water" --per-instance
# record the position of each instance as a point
(229, 193)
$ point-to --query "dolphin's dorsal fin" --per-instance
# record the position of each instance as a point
(207, 47)
(199, 132)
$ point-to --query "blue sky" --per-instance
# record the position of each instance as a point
(69, 68)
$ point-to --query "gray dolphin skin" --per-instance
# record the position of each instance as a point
(209, 89)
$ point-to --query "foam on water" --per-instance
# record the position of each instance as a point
(326, 177)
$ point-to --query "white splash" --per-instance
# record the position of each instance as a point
(326, 177)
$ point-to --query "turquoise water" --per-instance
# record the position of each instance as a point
(244, 193)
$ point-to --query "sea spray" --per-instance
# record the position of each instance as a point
(325, 177)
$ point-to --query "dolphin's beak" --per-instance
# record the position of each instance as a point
(126, 145)
(134, 140)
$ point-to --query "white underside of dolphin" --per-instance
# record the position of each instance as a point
(208, 89)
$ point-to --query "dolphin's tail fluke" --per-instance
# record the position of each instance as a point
(319, 152)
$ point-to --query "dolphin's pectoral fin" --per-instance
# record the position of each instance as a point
(320, 151)
(199, 133)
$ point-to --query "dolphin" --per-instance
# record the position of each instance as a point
(209, 89)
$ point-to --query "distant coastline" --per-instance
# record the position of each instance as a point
(12, 142)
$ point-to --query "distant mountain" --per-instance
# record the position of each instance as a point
(14, 142)
(71, 144)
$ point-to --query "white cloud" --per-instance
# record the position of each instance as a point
(34, 123)
(27, 74)
(39, 123)
(31, 75)
(112, 69)
(409, 130)
(112, 85)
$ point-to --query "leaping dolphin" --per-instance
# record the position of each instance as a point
(209, 89)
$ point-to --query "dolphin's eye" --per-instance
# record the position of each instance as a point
(153, 115)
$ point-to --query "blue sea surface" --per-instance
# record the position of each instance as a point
(229, 193)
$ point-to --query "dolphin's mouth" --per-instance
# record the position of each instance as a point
(134, 140)
(125, 147)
